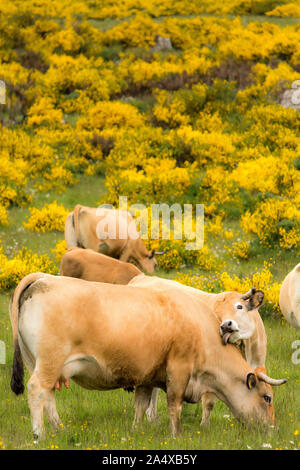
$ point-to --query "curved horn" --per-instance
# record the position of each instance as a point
(269, 380)
(160, 252)
(249, 293)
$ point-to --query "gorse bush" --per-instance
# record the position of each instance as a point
(198, 123)
(24, 262)
(50, 217)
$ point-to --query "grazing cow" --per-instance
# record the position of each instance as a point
(111, 232)
(245, 328)
(289, 297)
(105, 337)
(240, 324)
(92, 266)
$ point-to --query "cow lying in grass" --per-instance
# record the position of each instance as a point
(289, 297)
(105, 336)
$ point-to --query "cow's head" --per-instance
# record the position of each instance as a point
(235, 312)
(141, 257)
(254, 399)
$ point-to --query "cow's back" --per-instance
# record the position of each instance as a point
(91, 266)
(130, 330)
(99, 229)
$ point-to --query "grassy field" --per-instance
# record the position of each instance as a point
(89, 98)
(94, 420)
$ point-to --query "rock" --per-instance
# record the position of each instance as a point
(162, 44)
(291, 98)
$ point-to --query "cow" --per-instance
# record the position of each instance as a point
(111, 232)
(91, 266)
(240, 324)
(289, 297)
(105, 336)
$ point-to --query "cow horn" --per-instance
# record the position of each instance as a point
(160, 252)
(269, 380)
(249, 293)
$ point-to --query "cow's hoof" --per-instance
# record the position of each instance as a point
(153, 418)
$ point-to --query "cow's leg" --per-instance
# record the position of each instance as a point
(37, 396)
(208, 402)
(174, 406)
(142, 397)
(151, 411)
(51, 411)
(176, 384)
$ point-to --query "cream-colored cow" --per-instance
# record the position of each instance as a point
(239, 323)
(289, 297)
(111, 232)
(105, 336)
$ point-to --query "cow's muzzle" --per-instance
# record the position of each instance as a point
(227, 328)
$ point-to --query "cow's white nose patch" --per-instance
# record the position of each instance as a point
(229, 325)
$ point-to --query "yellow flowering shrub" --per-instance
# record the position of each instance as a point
(169, 110)
(3, 215)
(23, 263)
(289, 238)
(50, 217)
(218, 188)
(291, 10)
(152, 184)
(240, 250)
(207, 147)
(201, 282)
(108, 114)
(59, 250)
(43, 113)
(272, 220)
(266, 175)
(214, 227)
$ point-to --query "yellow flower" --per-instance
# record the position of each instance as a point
(50, 217)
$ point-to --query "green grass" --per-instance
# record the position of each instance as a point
(103, 420)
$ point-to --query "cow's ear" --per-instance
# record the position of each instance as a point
(152, 253)
(256, 300)
(251, 380)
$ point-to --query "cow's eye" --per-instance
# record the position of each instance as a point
(239, 306)
(267, 399)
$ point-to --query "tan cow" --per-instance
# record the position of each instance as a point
(289, 297)
(239, 323)
(92, 266)
(105, 336)
(111, 232)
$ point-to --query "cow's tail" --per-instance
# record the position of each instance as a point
(17, 379)
(76, 222)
